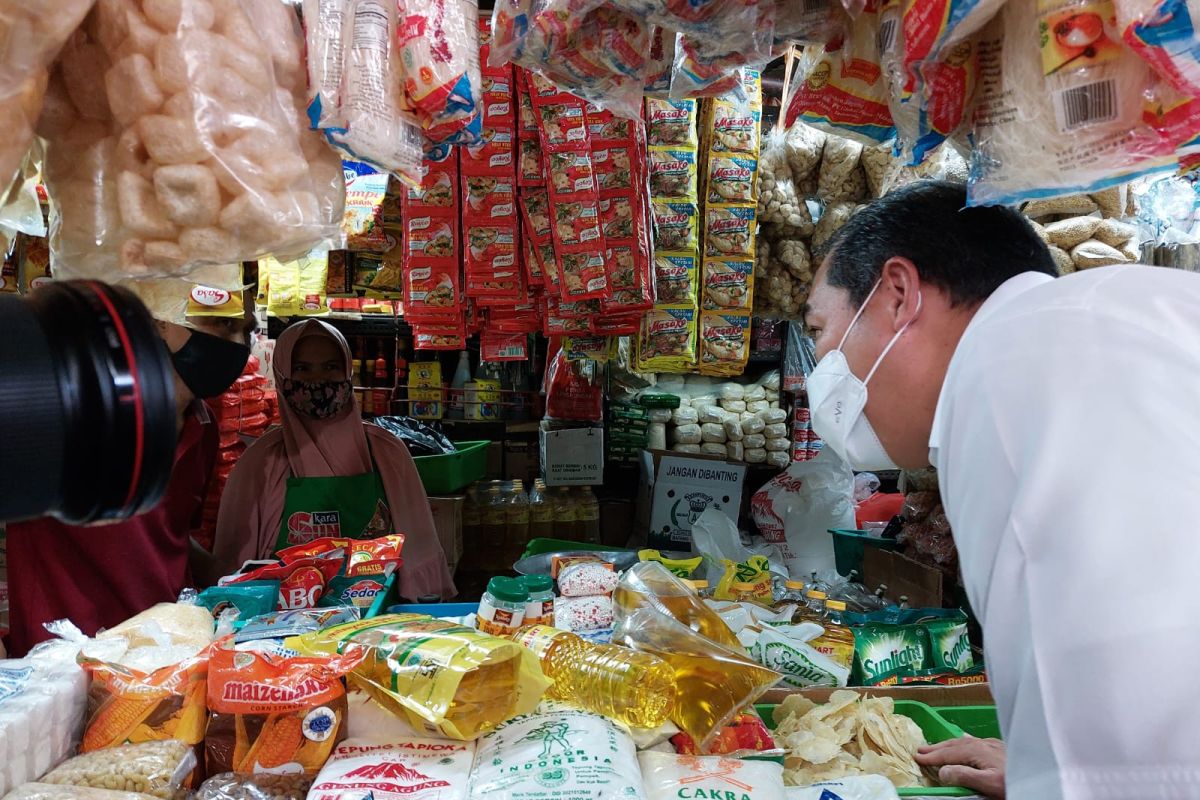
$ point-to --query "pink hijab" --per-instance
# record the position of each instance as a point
(252, 504)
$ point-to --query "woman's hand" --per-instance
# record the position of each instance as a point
(976, 764)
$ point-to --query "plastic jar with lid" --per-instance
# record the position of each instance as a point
(540, 608)
(502, 607)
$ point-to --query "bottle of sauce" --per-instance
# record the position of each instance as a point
(589, 516)
(541, 512)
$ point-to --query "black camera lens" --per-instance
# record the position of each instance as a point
(87, 405)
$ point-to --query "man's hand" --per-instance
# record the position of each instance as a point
(977, 764)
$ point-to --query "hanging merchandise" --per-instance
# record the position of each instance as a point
(1163, 33)
(843, 89)
(1073, 112)
(439, 51)
(932, 29)
(433, 297)
(185, 147)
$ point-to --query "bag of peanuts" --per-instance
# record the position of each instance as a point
(274, 714)
(177, 137)
(153, 768)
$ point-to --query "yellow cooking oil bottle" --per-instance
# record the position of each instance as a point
(837, 641)
(637, 689)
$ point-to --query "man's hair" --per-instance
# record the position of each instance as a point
(966, 252)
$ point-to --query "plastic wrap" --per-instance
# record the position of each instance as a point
(370, 100)
(1075, 114)
(153, 768)
(180, 140)
(1163, 33)
(439, 49)
(229, 786)
(723, 25)
(797, 509)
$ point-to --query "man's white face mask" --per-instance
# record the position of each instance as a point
(836, 399)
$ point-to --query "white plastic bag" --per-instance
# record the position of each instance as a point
(796, 509)
(864, 787)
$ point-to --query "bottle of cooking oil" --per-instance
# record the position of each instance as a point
(541, 512)
(493, 529)
(634, 688)
(516, 534)
(814, 606)
(589, 516)
(472, 519)
(838, 640)
(566, 516)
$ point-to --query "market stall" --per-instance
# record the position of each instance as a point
(567, 252)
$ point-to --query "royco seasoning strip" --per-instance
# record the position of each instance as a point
(574, 198)
(667, 339)
(731, 138)
(431, 259)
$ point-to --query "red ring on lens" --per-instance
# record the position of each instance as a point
(140, 435)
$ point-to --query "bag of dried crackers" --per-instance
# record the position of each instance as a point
(269, 713)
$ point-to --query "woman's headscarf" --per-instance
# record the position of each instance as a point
(320, 448)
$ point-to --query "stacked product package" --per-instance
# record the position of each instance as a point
(42, 702)
(667, 337)
(433, 296)
(731, 139)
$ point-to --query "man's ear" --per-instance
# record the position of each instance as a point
(900, 284)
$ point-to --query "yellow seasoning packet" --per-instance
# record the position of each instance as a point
(667, 340)
(754, 571)
(444, 679)
(724, 342)
(679, 567)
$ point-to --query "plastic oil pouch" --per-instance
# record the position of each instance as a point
(656, 612)
(443, 678)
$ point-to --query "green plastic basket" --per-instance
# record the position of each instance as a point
(935, 728)
(453, 471)
(848, 548)
(535, 547)
(979, 721)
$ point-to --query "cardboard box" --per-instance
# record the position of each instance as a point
(521, 460)
(967, 694)
(675, 490)
(447, 518)
(925, 586)
(573, 457)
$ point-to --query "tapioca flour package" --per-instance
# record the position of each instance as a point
(391, 768)
(561, 753)
(1071, 112)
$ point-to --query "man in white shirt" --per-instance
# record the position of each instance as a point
(1063, 417)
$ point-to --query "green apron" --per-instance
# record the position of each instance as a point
(350, 507)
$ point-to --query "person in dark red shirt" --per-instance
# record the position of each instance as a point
(98, 576)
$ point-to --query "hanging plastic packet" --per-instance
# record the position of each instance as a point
(1078, 98)
(439, 48)
(932, 27)
(362, 224)
(327, 32)
(371, 98)
(813, 22)
(200, 156)
(297, 288)
(667, 340)
(726, 25)
(843, 89)
(1163, 33)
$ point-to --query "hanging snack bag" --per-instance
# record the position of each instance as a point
(843, 89)
(531, 756)
(396, 767)
(362, 224)
(443, 678)
(185, 142)
(439, 48)
(272, 714)
(932, 28)
(1079, 104)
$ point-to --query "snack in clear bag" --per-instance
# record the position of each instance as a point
(661, 62)
(231, 786)
(843, 90)
(730, 24)
(443, 678)
(370, 99)
(154, 768)
(656, 613)
(185, 143)
(326, 39)
(439, 48)
(1091, 108)
(50, 791)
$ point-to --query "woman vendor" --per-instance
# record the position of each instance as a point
(326, 472)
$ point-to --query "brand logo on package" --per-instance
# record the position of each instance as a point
(305, 526)
(212, 298)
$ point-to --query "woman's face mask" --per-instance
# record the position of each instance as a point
(208, 365)
(317, 399)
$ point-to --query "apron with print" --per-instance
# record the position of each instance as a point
(349, 507)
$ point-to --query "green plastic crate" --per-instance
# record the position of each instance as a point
(935, 728)
(848, 548)
(451, 472)
(979, 721)
(535, 547)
